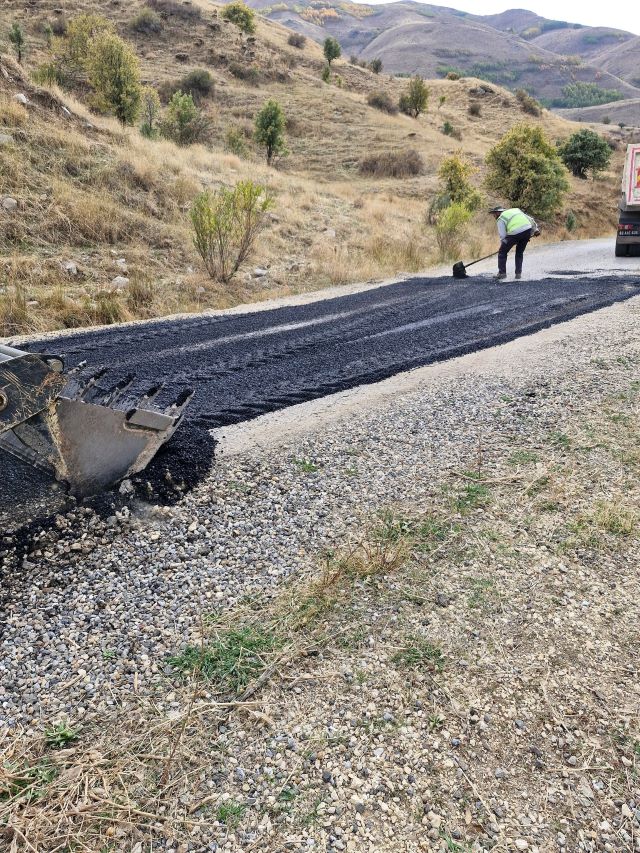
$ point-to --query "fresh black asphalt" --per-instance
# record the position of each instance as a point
(243, 365)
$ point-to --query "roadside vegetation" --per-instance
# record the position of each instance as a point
(98, 188)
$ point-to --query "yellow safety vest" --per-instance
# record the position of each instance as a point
(515, 220)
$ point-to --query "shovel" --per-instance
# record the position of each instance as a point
(460, 269)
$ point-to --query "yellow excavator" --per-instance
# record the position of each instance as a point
(68, 425)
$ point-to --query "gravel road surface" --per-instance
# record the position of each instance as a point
(247, 364)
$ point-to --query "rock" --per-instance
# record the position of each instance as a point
(6, 139)
(65, 112)
(259, 272)
(70, 267)
(326, 776)
(21, 99)
(626, 811)
(331, 233)
(9, 204)
(126, 487)
(121, 263)
(501, 773)
(442, 600)
(120, 282)
(521, 844)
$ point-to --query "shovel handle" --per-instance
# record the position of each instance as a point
(471, 263)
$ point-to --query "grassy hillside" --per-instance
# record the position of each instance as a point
(95, 201)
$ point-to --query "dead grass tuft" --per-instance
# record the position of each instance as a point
(393, 164)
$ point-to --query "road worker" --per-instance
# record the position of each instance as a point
(515, 228)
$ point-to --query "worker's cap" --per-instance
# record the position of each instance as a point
(497, 209)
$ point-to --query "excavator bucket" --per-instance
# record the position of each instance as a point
(87, 437)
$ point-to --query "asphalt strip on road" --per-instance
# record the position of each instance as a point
(246, 365)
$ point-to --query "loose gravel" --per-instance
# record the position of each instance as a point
(92, 613)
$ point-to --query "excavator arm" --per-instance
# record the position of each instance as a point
(68, 425)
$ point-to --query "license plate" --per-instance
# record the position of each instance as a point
(628, 233)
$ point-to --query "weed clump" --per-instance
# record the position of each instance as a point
(393, 164)
(528, 104)
(383, 102)
(297, 40)
(146, 22)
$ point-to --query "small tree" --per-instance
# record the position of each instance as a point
(114, 73)
(326, 74)
(526, 169)
(332, 50)
(269, 130)
(16, 37)
(376, 66)
(226, 224)
(241, 15)
(454, 174)
(72, 50)
(414, 101)
(585, 151)
(184, 122)
(450, 229)
(150, 107)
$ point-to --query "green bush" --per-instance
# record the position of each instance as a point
(326, 74)
(393, 164)
(331, 49)
(586, 95)
(297, 40)
(17, 39)
(450, 229)
(527, 170)
(376, 66)
(241, 15)
(416, 98)
(48, 74)
(184, 123)
(72, 50)
(585, 152)
(454, 174)
(382, 101)
(453, 75)
(269, 131)
(197, 83)
(146, 22)
(449, 130)
(226, 224)
(236, 143)
(249, 73)
(150, 109)
(114, 72)
(571, 222)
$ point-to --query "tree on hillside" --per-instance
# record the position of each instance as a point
(526, 169)
(114, 72)
(415, 100)
(376, 66)
(454, 174)
(241, 15)
(332, 50)
(585, 151)
(269, 130)
(72, 49)
(16, 37)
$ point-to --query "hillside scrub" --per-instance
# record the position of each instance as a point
(226, 224)
(415, 99)
(526, 169)
(382, 101)
(454, 173)
(585, 152)
(450, 229)
(114, 73)
(269, 131)
(393, 164)
(17, 39)
(331, 50)
(184, 123)
(241, 15)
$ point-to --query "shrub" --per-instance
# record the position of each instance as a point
(585, 151)
(581, 94)
(382, 101)
(72, 51)
(526, 169)
(414, 101)
(146, 22)
(441, 101)
(452, 75)
(197, 83)
(269, 131)
(376, 66)
(59, 26)
(475, 109)
(449, 130)
(150, 109)
(527, 103)
(173, 9)
(235, 142)
(326, 74)
(450, 228)
(249, 73)
(226, 224)
(606, 120)
(48, 74)
(184, 122)
(114, 73)
(454, 174)
(332, 50)
(393, 164)
(297, 40)
(571, 222)
(241, 15)
(16, 37)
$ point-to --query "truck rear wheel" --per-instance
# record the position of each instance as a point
(622, 250)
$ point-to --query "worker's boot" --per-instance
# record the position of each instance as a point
(500, 276)
(518, 276)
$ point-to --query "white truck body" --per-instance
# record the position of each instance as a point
(631, 178)
(628, 236)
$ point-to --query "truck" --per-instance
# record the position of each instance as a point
(628, 236)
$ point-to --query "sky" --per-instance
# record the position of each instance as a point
(622, 14)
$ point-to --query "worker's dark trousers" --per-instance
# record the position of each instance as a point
(520, 242)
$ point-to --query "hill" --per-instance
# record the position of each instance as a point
(516, 49)
(89, 201)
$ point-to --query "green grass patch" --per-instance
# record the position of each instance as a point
(27, 783)
(473, 495)
(233, 659)
(306, 466)
(483, 594)
(230, 813)
(523, 457)
(59, 735)
(419, 652)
